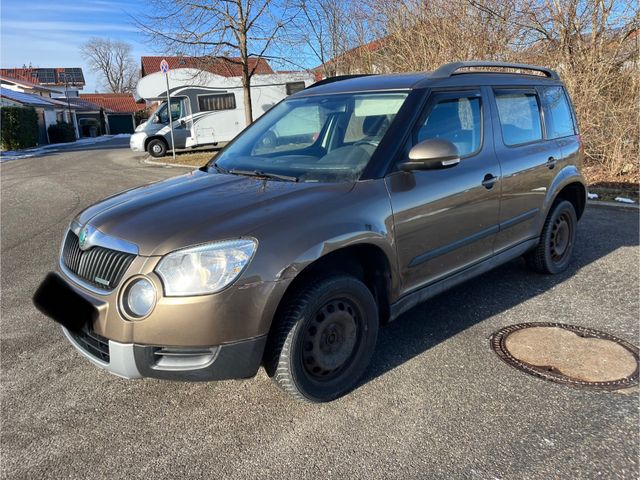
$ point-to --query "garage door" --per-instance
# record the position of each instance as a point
(120, 124)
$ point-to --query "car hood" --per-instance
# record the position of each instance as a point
(201, 207)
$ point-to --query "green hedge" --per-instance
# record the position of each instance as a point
(61, 132)
(18, 127)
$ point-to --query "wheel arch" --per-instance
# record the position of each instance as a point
(366, 261)
(155, 137)
(567, 185)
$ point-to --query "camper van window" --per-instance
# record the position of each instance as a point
(224, 101)
(294, 87)
(176, 111)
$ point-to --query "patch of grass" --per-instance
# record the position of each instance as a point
(192, 159)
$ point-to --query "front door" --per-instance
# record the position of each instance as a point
(447, 219)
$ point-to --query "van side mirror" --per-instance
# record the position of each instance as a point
(431, 154)
(183, 124)
(156, 119)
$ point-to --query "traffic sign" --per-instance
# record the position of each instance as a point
(164, 66)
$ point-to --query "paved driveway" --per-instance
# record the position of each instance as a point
(436, 403)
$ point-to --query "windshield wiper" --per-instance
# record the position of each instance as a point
(259, 173)
(219, 168)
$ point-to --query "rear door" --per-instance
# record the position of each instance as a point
(447, 219)
(528, 162)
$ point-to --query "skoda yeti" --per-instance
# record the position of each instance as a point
(344, 206)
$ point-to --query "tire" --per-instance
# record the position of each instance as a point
(157, 148)
(323, 339)
(552, 255)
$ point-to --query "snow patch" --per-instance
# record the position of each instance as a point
(624, 200)
(592, 196)
(9, 155)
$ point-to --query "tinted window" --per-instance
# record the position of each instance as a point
(519, 117)
(457, 120)
(224, 101)
(558, 119)
(294, 87)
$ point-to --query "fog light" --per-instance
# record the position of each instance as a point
(139, 298)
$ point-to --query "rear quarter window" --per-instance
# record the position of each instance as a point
(519, 115)
(558, 116)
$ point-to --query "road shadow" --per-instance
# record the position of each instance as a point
(479, 299)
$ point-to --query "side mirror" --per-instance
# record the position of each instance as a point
(156, 119)
(183, 124)
(431, 154)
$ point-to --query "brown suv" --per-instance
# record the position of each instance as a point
(338, 210)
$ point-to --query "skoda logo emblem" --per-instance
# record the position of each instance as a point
(83, 237)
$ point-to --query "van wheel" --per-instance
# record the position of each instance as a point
(157, 148)
(553, 253)
(324, 339)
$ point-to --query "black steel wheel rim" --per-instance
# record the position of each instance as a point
(561, 237)
(331, 339)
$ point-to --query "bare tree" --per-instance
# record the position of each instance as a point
(112, 59)
(240, 32)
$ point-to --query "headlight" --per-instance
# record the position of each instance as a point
(139, 298)
(205, 268)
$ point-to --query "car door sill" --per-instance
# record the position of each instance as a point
(416, 297)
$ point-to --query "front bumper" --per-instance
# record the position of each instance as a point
(128, 360)
(136, 141)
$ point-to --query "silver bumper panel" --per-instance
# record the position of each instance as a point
(122, 359)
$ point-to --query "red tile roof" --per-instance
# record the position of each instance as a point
(226, 67)
(114, 102)
(47, 76)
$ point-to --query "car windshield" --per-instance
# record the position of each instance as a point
(313, 139)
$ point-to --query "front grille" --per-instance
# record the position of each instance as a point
(100, 267)
(93, 344)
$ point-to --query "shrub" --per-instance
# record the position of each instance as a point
(18, 127)
(61, 132)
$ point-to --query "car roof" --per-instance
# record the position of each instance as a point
(445, 76)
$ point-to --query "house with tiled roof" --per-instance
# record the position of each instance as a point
(106, 113)
(358, 60)
(223, 66)
(63, 81)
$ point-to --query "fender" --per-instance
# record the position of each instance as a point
(569, 174)
(351, 238)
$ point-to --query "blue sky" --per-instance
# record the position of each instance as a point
(48, 33)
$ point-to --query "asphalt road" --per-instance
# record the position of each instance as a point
(436, 403)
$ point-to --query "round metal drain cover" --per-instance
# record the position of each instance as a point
(576, 356)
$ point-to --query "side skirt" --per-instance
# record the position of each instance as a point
(412, 299)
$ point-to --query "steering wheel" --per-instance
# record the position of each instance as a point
(372, 143)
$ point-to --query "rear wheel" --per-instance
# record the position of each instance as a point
(324, 339)
(553, 253)
(157, 148)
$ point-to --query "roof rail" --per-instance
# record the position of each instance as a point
(336, 79)
(449, 69)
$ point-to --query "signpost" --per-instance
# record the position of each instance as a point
(164, 68)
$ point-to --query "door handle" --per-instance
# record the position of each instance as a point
(489, 180)
(551, 163)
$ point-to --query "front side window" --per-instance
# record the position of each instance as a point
(519, 117)
(323, 139)
(176, 111)
(558, 118)
(211, 103)
(458, 120)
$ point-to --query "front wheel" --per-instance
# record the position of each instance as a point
(324, 339)
(553, 253)
(157, 148)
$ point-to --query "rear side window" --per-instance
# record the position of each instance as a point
(519, 117)
(558, 118)
(294, 87)
(457, 120)
(224, 101)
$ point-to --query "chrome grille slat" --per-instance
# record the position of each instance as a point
(97, 262)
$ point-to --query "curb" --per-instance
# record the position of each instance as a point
(616, 205)
(166, 164)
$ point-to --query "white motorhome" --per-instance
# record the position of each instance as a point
(206, 109)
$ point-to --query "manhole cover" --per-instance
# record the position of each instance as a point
(577, 356)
